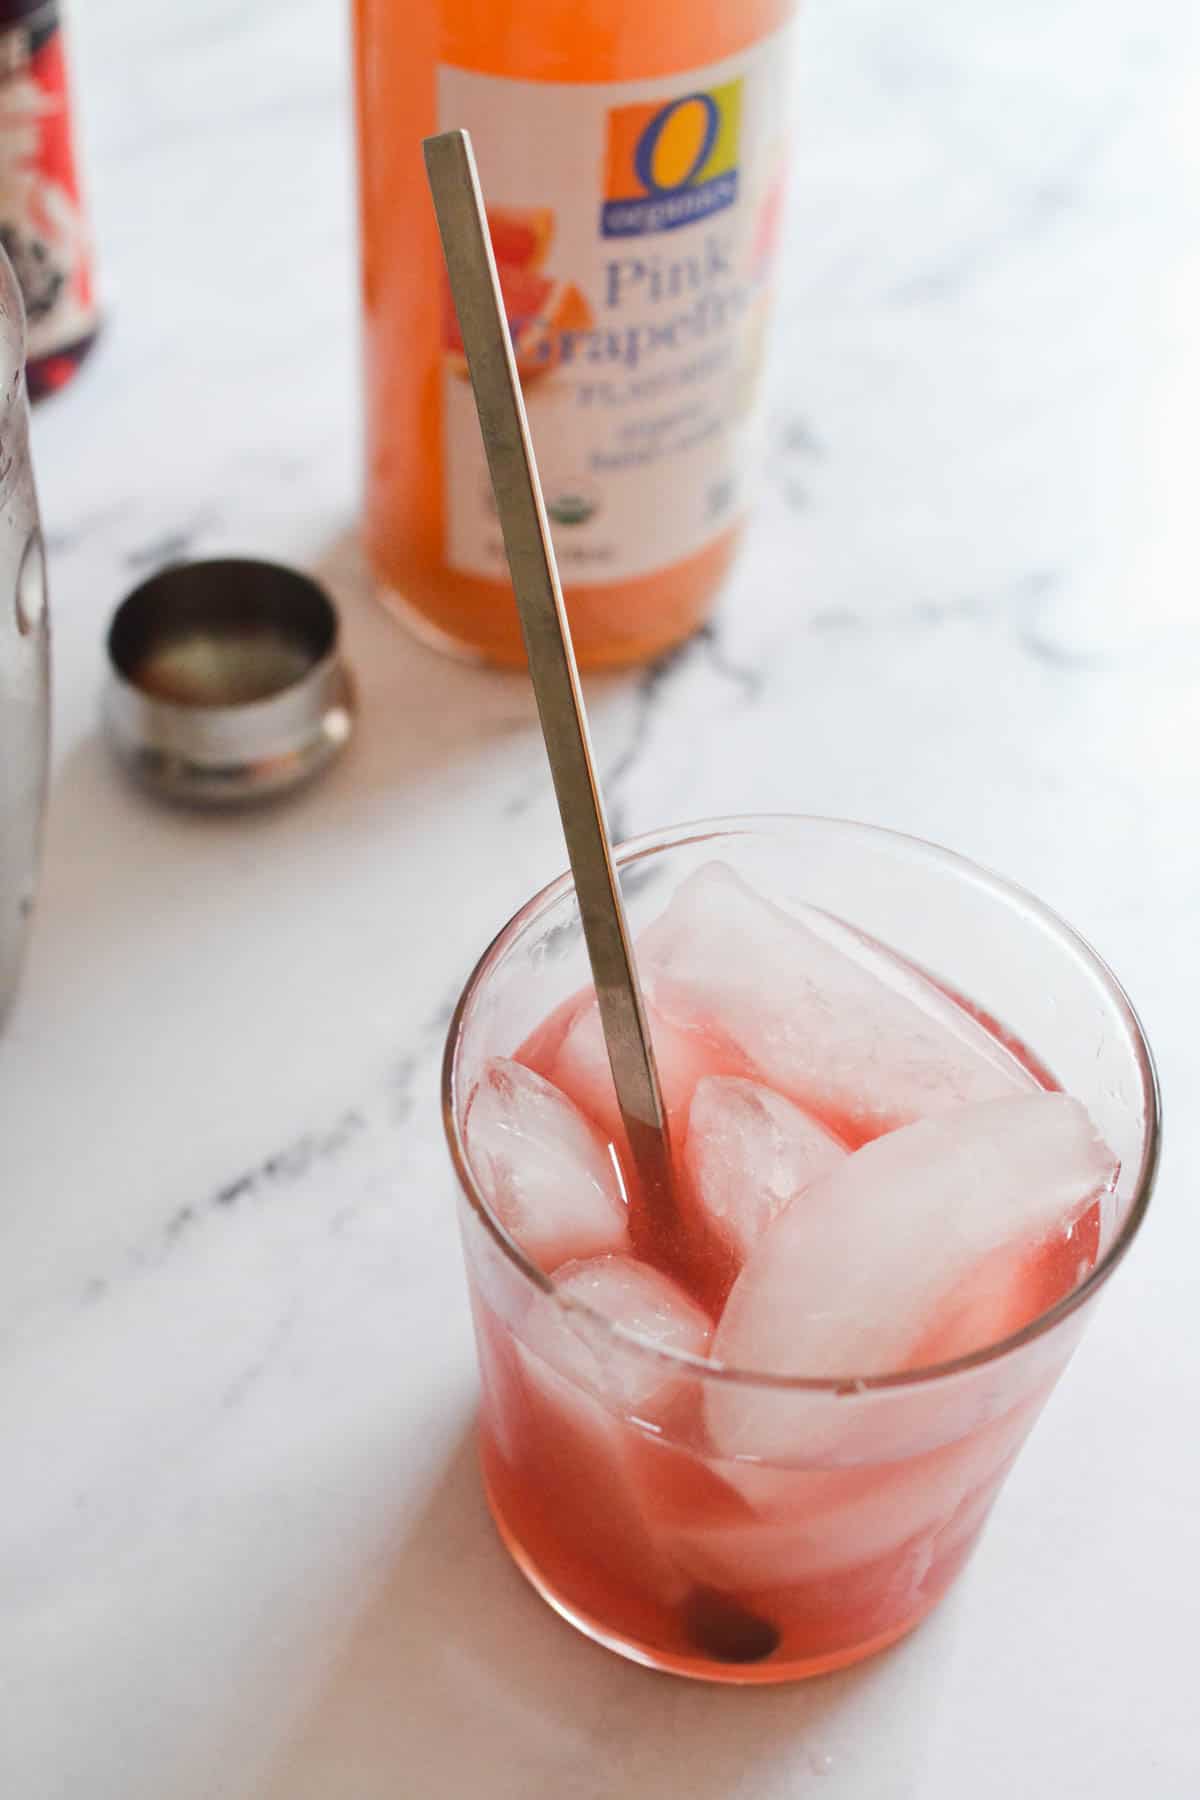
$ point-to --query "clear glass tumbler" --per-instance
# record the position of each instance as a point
(24, 649)
(856, 1500)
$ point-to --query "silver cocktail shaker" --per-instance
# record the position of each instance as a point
(24, 649)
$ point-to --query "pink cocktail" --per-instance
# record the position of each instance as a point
(758, 1437)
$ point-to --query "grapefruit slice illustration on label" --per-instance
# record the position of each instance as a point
(521, 237)
(539, 309)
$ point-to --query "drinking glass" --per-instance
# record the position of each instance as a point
(853, 1502)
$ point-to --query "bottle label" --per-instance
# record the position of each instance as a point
(634, 228)
(43, 226)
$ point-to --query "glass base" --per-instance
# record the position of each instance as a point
(771, 1672)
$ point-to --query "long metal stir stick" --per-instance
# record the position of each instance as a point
(475, 287)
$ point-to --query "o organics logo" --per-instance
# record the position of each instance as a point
(671, 162)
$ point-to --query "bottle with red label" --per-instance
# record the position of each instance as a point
(43, 220)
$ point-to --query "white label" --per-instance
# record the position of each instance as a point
(634, 226)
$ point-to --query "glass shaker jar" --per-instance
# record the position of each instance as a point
(24, 649)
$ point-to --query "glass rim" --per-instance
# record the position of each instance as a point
(747, 825)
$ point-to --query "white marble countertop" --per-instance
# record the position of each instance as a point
(243, 1551)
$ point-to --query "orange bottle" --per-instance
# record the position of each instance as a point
(631, 153)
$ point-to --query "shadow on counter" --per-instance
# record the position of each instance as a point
(458, 1680)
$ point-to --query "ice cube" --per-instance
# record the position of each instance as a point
(1003, 1291)
(821, 1013)
(582, 1069)
(799, 1524)
(748, 1152)
(541, 1047)
(547, 1172)
(595, 1405)
(577, 1462)
(846, 1283)
(647, 1305)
